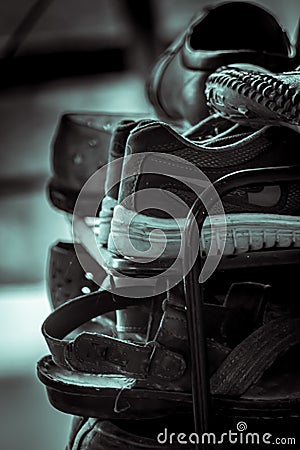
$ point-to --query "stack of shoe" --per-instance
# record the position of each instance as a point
(226, 99)
(80, 147)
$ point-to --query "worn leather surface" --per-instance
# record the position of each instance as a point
(163, 362)
(214, 38)
(79, 147)
(95, 434)
(246, 380)
(66, 277)
(67, 280)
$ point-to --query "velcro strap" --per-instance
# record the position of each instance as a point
(247, 363)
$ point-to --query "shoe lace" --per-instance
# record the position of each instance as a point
(211, 124)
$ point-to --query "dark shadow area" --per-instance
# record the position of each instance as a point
(38, 68)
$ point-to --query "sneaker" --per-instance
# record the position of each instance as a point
(260, 217)
(113, 175)
(215, 38)
(131, 324)
(254, 96)
(80, 147)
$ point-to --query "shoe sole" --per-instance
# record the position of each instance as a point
(80, 394)
(105, 218)
(254, 98)
(244, 233)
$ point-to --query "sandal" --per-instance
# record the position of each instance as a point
(244, 351)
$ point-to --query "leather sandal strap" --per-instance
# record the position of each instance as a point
(229, 324)
(97, 353)
(247, 363)
(163, 358)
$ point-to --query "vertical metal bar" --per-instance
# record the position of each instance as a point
(194, 290)
(195, 325)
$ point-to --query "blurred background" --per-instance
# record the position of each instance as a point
(56, 57)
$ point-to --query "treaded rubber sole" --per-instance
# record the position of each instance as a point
(244, 233)
(254, 96)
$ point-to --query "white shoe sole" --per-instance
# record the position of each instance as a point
(245, 232)
(105, 219)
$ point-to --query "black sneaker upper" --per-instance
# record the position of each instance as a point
(242, 149)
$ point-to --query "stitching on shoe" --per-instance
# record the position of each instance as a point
(178, 166)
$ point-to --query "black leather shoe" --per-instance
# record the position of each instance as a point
(80, 147)
(231, 32)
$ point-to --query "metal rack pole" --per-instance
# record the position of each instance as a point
(194, 290)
